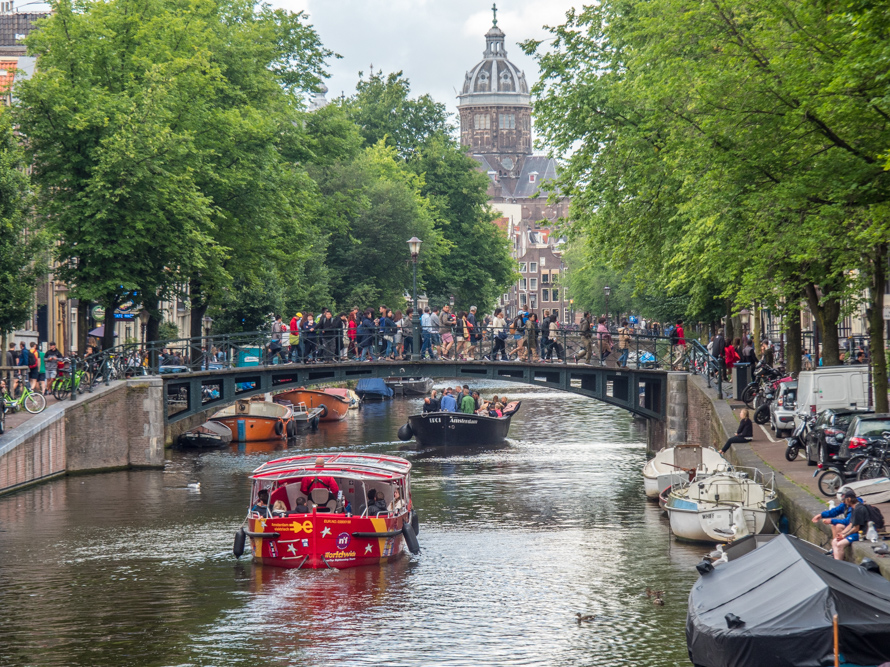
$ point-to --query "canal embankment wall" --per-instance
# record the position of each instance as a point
(711, 421)
(115, 427)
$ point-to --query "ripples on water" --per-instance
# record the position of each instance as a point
(133, 568)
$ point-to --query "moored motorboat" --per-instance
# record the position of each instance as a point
(373, 389)
(724, 506)
(334, 406)
(209, 434)
(337, 531)
(786, 604)
(871, 491)
(409, 386)
(255, 420)
(441, 429)
(688, 461)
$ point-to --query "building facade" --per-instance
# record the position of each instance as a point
(495, 113)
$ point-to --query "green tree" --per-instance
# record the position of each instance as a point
(21, 239)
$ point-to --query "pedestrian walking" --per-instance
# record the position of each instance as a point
(624, 343)
(586, 339)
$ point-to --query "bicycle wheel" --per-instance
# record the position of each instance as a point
(873, 470)
(829, 482)
(61, 388)
(35, 403)
(761, 415)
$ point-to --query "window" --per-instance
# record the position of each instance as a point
(507, 121)
(532, 177)
(482, 121)
(522, 284)
(555, 294)
(522, 267)
(545, 278)
(533, 301)
(545, 295)
(533, 267)
(533, 284)
(506, 298)
(554, 276)
(522, 300)
(543, 261)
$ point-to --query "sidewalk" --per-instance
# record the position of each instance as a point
(15, 419)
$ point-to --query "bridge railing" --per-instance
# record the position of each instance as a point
(256, 348)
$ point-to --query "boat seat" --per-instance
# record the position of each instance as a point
(280, 494)
(323, 499)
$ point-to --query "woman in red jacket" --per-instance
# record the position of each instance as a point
(731, 357)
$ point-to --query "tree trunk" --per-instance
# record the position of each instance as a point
(827, 314)
(728, 331)
(199, 303)
(83, 324)
(756, 331)
(152, 329)
(793, 354)
(876, 331)
(108, 338)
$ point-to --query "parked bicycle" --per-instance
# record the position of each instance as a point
(28, 399)
(64, 385)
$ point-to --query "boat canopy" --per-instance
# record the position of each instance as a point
(373, 386)
(347, 466)
(775, 605)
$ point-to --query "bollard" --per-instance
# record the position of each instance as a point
(720, 378)
(73, 378)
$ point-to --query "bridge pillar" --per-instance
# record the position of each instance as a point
(673, 431)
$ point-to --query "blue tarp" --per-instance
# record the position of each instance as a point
(373, 388)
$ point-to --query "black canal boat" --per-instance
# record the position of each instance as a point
(439, 429)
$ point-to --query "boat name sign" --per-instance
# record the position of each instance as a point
(464, 421)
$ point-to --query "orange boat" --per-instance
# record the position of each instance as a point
(333, 402)
(255, 420)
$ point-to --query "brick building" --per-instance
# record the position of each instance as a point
(496, 128)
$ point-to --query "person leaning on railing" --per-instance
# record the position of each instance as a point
(623, 343)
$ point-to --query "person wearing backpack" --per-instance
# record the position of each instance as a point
(858, 522)
(586, 340)
(33, 366)
(605, 340)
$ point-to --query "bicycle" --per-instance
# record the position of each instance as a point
(64, 385)
(30, 400)
(877, 462)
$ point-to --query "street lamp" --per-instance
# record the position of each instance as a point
(144, 317)
(607, 291)
(414, 247)
(572, 309)
(208, 322)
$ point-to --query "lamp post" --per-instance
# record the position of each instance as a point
(414, 247)
(607, 291)
(208, 322)
(572, 309)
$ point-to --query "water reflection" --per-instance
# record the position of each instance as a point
(134, 568)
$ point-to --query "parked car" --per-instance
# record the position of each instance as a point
(822, 444)
(832, 387)
(781, 410)
(862, 431)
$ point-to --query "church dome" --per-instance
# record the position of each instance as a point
(495, 80)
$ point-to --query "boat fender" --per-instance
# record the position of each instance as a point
(405, 432)
(410, 539)
(324, 411)
(314, 423)
(279, 427)
(415, 522)
(262, 536)
(240, 538)
(291, 429)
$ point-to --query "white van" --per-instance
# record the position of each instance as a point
(840, 387)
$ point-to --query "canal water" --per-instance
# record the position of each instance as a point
(134, 568)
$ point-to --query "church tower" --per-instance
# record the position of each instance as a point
(495, 109)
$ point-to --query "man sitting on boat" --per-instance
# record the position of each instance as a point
(317, 481)
(262, 503)
(467, 402)
(448, 404)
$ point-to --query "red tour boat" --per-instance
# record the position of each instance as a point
(333, 526)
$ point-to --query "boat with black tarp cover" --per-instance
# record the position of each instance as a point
(775, 606)
(442, 429)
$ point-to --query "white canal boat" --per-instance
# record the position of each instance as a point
(724, 506)
(678, 463)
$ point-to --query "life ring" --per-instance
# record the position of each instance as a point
(405, 432)
(238, 547)
(410, 539)
(324, 411)
(279, 427)
(415, 522)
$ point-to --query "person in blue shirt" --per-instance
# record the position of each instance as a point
(837, 517)
(426, 332)
(448, 404)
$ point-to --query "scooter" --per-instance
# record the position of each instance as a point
(761, 414)
(798, 439)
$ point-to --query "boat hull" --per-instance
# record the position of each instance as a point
(441, 429)
(410, 386)
(325, 541)
(248, 428)
(335, 408)
(698, 524)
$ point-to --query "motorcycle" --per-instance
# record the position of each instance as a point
(798, 438)
(761, 414)
(766, 379)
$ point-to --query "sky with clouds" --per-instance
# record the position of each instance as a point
(434, 42)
